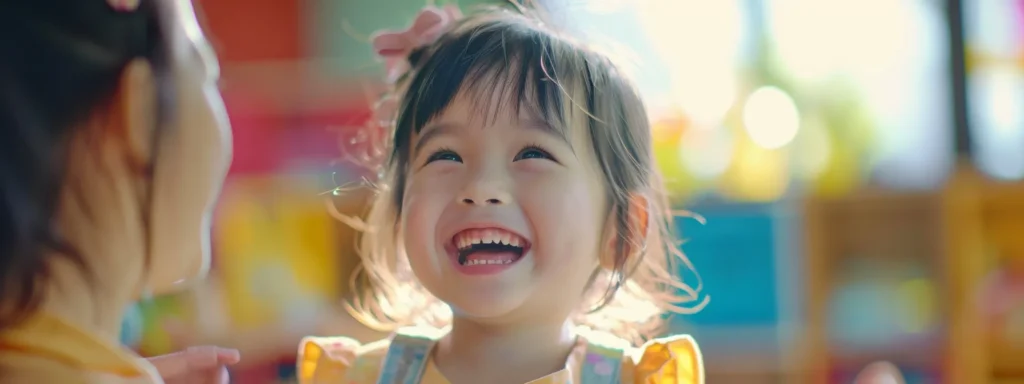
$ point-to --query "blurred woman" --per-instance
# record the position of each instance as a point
(113, 147)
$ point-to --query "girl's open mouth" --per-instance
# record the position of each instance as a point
(488, 250)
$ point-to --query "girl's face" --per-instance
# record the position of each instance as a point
(503, 215)
(192, 157)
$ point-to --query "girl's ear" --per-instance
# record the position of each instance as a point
(637, 225)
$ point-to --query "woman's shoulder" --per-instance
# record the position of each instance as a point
(16, 368)
(330, 359)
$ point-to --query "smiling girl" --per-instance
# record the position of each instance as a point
(520, 233)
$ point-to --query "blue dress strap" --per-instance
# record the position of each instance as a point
(407, 355)
(603, 361)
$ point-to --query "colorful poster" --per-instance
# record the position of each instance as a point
(275, 250)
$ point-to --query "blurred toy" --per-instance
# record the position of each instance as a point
(154, 338)
(131, 327)
(1004, 298)
(880, 302)
(1003, 306)
(882, 372)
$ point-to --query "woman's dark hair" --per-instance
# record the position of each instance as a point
(59, 61)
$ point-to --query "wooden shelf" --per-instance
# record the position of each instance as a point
(882, 227)
(910, 356)
(1007, 358)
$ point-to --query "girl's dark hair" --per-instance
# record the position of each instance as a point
(59, 61)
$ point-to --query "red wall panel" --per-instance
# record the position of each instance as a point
(255, 30)
(267, 138)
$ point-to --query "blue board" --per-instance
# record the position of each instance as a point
(735, 253)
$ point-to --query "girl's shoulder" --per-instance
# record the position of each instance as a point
(346, 360)
(332, 359)
(672, 359)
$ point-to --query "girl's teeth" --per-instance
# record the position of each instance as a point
(482, 262)
(486, 236)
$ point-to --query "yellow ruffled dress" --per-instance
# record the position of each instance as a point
(341, 360)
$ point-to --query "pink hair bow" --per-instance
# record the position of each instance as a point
(395, 46)
(124, 5)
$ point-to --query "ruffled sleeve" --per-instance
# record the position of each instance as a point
(333, 360)
(670, 360)
(325, 359)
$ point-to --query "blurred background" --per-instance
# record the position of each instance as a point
(859, 165)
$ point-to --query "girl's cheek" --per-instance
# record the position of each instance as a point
(426, 180)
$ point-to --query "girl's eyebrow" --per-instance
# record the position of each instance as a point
(430, 132)
(545, 127)
(433, 130)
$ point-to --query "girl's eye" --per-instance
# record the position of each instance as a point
(444, 155)
(533, 153)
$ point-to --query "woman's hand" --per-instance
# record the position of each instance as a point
(197, 365)
(881, 372)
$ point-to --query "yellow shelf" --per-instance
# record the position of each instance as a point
(957, 226)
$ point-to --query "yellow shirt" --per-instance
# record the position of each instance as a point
(46, 349)
(333, 360)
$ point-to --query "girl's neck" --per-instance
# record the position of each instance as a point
(476, 352)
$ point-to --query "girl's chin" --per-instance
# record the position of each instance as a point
(486, 308)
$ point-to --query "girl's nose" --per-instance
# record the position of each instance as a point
(485, 192)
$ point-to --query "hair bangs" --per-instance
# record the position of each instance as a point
(501, 68)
